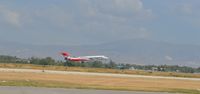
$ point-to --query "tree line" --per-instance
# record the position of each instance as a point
(98, 64)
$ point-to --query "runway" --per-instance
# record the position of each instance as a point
(36, 90)
(95, 74)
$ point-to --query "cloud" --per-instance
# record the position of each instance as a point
(9, 16)
(53, 15)
(110, 32)
(169, 58)
(115, 19)
(81, 12)
(186, 8)
(128, 32)
(189, 13)
(46, 17)
(183, 9)
(86, 20)
(124, 9)
(97, 19)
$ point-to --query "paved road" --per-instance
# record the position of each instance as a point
(34, 90)
(95, 74)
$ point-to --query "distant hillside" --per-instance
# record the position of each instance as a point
(135, 51)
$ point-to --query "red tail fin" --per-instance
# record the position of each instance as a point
(65, 54)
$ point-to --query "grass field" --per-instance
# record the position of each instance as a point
(98, 82)
(100, 70)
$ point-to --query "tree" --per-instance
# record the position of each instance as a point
(8, 59)
(34, 60)
(97, 64)
(70, 63)
(111, 65)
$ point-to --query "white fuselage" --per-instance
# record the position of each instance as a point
(83, 58)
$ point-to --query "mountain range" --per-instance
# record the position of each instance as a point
(133, 51)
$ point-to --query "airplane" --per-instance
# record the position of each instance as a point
(67, 57)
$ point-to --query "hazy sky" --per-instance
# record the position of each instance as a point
(75, 22)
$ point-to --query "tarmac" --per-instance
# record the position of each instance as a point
(38, 90)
